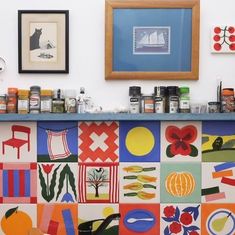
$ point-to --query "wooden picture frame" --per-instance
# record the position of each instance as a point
(43, 41)
(152, 39)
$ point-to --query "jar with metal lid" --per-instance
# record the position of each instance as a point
(3, 103)
(160, 99)
(23, 101)
(58, 102)
(227, 98)
(34, 99)
(147, 104)
(70, 101)
(184, 104)
(46, 101)
(12, 100)
(135, 99)
(173, 99)
(214, 107)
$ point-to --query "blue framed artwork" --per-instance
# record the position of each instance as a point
(152, 39)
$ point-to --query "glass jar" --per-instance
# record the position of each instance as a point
(160, 99)
(70, 101)
(46, 101)
(58, 102)
(184, 104)
(135, 99)
(214, 107)
(23, 101)
(12, 100)
(3, 103)
(227, 100)
(173, 99)
(147, 104)
(34, 99)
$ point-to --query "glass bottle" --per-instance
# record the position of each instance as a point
(135, 99)
(12, 100)
(46, 101)
(184, 104)
(58, 102)
(23, 101)
(34, 99)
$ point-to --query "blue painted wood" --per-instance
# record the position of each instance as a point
(119, 117)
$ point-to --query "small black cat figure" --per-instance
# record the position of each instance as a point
(34, 39)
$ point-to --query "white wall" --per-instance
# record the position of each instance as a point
(87, 52)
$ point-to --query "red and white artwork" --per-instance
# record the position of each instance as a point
(223, 39)
(98, 141)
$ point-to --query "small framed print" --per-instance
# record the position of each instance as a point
(43, 41)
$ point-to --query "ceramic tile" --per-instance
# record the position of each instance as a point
(182, 219)
(58, 183)
(18, 142)
(18, 183)
(139, 182)
(218, 219)
(59, 219)
(218, 141)
(180, 141)
(98, 183)
(98, 141)
(218, 182)
(181, 182)
(58, 142)
(139, 219)
(139, 141)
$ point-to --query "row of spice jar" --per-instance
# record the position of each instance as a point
(174, 99)
(37, 101)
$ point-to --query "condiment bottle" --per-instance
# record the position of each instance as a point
(160, 99)
(46, 101)
(12, 100)
(81, 101)
(227, 100)
(184, 104)
(173, 99)
(58, 102)
(23, 101)
(135, 99)
(70, 101)
(34, 99)
(147, 104)
(3, 103)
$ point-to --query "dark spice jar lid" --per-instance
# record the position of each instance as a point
(172, 90)
(134, 91)
(160, 91)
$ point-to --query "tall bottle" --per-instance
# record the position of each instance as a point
(81, 101)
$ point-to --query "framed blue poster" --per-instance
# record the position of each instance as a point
(155, 39)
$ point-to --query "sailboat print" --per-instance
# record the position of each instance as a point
(152, 40)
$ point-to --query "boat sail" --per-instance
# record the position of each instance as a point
(152, 40)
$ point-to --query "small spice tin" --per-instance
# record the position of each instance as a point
(147, 105)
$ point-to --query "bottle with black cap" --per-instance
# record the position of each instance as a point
(135, 99)
(173, 99)
(160, 99)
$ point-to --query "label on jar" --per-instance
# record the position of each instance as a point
(159, 105)
(3, 106)
(46, 106)
(184, 104)
(148, 106)
(134, 105)
(173, 104)
(23, 105)
(34, 102)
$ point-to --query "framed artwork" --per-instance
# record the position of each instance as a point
(222, 39)
(152, 39)
(43, 41)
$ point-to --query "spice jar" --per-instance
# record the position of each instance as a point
(12, 100)
(34, 99)
(160, 99)
(70, 101)
(214, 107)
(46, 101)
(147, 104)
(184, 104)
(23, 101)
(3, 103)
(58, 102)
(173, 99)
(134, 101)
(227, 100)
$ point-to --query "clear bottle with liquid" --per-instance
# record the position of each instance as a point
(81, 101)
